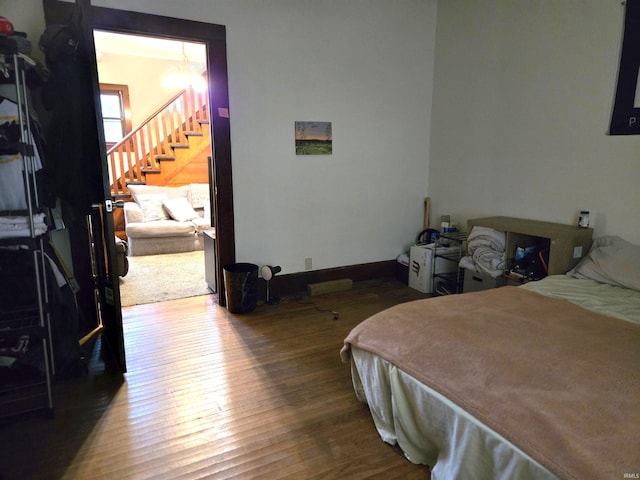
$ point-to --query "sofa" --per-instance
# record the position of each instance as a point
(122, 264)
(163, 219)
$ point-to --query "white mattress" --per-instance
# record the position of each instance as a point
(432, 430)
(617, 302)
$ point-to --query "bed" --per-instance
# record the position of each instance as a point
(539, 381)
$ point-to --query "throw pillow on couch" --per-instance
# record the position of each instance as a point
(152, 207)
(179, 209)
(151, 199)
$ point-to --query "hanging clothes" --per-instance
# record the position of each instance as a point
(12, 191)
(73, 152)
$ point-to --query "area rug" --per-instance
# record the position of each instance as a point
(156, 278)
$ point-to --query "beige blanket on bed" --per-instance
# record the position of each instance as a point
(558, 381)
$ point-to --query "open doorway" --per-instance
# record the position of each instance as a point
(106, 295)
(158, 140)
(214, 37)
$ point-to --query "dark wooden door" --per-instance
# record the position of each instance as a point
(78, 170)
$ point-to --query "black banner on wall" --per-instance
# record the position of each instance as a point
(625, 119)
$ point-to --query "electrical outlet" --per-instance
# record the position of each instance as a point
(577, 252)
(307, 263)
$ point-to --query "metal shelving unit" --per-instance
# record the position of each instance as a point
(25, 329)
(449, 282)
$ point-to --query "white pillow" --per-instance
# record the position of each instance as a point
(611, 260)
(199, 194)
(152, 208)
(180, 209)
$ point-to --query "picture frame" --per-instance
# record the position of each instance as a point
(313, 138)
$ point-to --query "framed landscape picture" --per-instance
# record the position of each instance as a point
(313, 138)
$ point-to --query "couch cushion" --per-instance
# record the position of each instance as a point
(168, 192)
(160, 228)
(180, 209)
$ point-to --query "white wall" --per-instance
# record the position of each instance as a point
(364, 65)
(26, 16)
(523, 93)
(521, 105)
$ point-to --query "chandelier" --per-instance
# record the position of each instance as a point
(184, 76)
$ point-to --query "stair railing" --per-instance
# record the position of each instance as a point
(141, 151)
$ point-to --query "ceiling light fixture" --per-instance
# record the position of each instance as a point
(184, 76)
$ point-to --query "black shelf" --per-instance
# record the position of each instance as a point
(31, 243)
(18, 317)
(450, 247)
(458, 237)
(28, 394)
(449, 277)
(448, 255)
(21, 213)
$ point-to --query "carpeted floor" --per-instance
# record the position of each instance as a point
(155, 278)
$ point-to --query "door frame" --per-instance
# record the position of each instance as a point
(214, 37)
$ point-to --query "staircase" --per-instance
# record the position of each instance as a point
(168, 144)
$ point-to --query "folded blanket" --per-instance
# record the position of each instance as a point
(486, 237)
(558, 381)
(467, 262)
(485, 247)
(19, 226)
(21, 220)
(489, 261)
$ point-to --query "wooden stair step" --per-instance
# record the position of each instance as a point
(193, 134)
(164, 157)
(179, 145)
(121, 196)
(151, 170)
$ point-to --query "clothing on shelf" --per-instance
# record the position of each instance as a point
(11, 165)
(20, 226)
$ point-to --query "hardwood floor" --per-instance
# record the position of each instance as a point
(214, 395)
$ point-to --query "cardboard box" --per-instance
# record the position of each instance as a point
(475, 281)
(421, 267)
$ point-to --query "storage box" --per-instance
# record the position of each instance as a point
(475, 281)
(421, 267)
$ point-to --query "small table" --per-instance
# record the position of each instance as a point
(210, 263)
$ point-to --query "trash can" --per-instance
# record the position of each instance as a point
(241, 287)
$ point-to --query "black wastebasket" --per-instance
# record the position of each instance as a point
(241, 287)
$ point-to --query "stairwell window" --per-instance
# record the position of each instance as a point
(116, 114)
